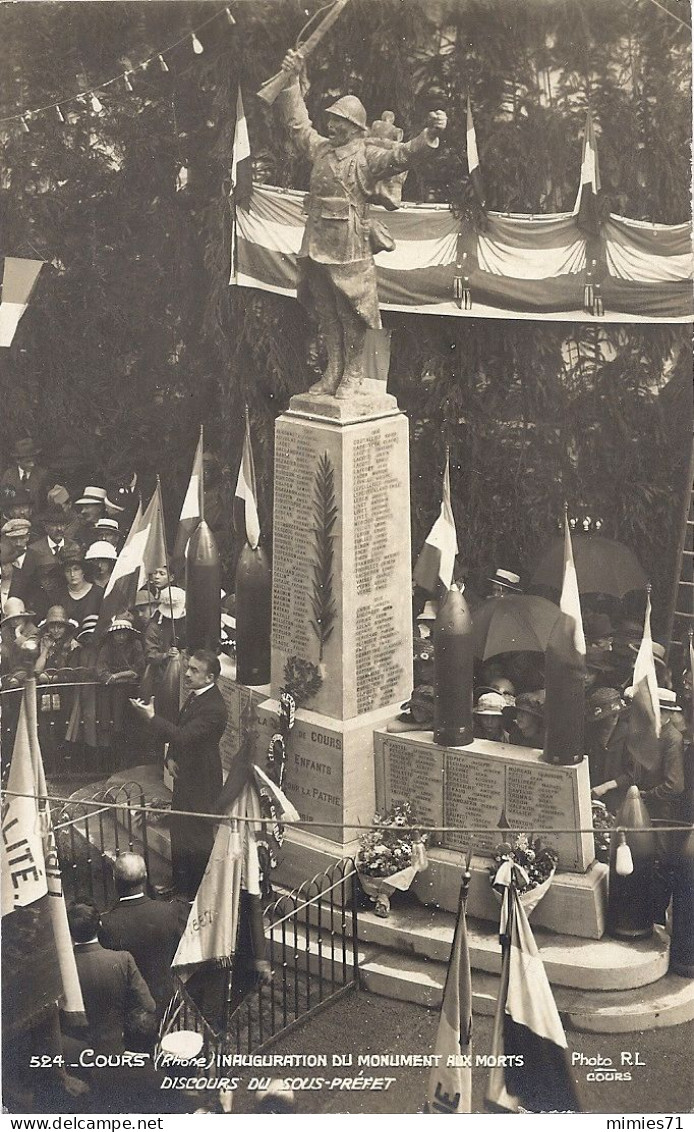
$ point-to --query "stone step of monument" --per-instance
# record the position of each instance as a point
(668, 1002)
(410, 978)
(582, 964)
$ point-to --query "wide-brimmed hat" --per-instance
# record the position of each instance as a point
(15, 608)
(531, 702)
(107, 525)
(603, 703)
(58, 495)
(92, 495)
(597, 625)
(658, 651)
(101, 550)
(122, 623)
(172, 596)
(506, 578)
(57, 616)
(25, 449)
(667, 700)
(15, 527)
(87, 627)
(491, 703)
(420, 706)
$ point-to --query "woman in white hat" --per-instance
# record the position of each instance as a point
(102, 556)
(489, 716)
(57, 642)
(17, 629)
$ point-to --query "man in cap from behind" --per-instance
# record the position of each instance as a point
(25, 473)
(337, 275)
(609, 761)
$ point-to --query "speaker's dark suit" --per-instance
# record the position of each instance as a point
(194, 744)
(150, 931)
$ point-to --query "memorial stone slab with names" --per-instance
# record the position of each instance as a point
(487, 786)
(341, 559)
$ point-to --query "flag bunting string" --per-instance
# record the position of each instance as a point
(219, 818)
(125, 76)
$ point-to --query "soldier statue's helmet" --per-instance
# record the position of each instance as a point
(350, 108)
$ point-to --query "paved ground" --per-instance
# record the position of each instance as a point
(365, 1023)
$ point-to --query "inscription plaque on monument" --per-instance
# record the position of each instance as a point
(416, 777)
(341, 560)
(313, 779)
(491, 787)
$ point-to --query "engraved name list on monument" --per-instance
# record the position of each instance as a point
(296, 455)
(377, 550)
(415, 776)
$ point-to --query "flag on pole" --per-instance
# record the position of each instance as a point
(644, 717)
(691, 680)
(213, 924)
(192, 512)
(565, 662)
(586, 207)
(246, 519)
(241, 164)
(35, 923)
(241, 179)
(19, 278)
(473, 161)
(527, 1028)
(450, 1082)
(143, 551)
(437, 557)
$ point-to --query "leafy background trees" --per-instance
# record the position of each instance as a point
(134, 337)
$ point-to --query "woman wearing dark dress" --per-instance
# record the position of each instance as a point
(81, 600)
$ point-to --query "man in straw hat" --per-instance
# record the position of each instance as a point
(504, 582)
(337, 275)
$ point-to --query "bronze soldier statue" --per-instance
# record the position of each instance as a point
(337, 275)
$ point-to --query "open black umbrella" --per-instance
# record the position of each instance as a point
(514, 623)
(602, 566)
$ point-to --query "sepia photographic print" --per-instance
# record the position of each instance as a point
(347, 557)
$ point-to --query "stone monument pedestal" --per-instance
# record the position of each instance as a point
(496, 786)
(341, 609)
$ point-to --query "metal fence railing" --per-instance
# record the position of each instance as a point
(313, 951)
(89, 838)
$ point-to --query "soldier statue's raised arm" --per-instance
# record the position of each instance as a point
(337, 275)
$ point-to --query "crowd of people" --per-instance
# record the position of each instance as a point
(509, 701)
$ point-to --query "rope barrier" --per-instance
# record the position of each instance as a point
(220, 818)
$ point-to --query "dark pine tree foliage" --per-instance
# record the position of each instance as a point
(134, 337)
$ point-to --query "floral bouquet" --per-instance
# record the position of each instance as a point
(390, 856)
(527, 863)
(603, 823)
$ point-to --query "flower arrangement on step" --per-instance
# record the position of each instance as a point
(390, 855)
(528, 864)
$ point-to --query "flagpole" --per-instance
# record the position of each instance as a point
(166, 561)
